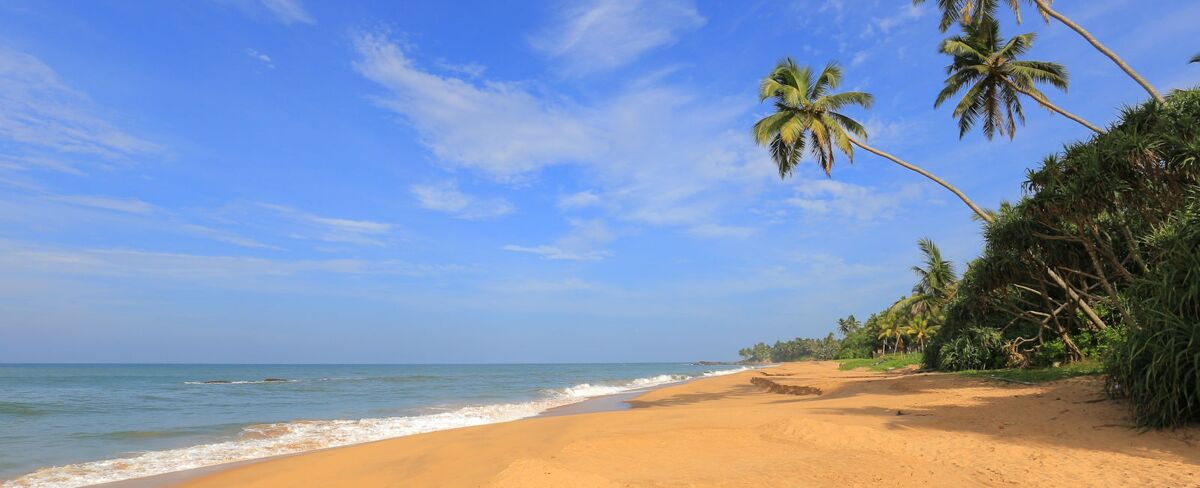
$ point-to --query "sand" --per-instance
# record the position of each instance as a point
(863, 429)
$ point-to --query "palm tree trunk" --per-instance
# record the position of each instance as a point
(1044, 6)
(1055, 108)
(1083, 305)
(974, 208)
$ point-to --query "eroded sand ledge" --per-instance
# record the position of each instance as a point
(863, 429)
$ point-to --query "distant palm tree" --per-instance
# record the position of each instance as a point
(921, 329)
(807, 118)
(967, 11)
(987, 66)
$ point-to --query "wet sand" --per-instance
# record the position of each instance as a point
(863, 429)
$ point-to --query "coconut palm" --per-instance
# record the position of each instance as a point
(921, 329)
(807, 118)
(986, 65)
(968, 11)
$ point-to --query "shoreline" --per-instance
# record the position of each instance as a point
(817, 426)
(602, 403)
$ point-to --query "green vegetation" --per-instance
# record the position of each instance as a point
(882, 363)
(1039, 375)
(1095, 269)
(794, 350)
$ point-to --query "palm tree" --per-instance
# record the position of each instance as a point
(936, 285)
(966, 10)
(921, 329)
(807, 117)
(988, 65)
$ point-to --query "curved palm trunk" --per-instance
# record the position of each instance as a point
(1055, 108)
(974, 208)
(1075, 296)
(1045, 7)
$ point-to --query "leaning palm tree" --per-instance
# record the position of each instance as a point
(986, 65)
(967, 11)
(807, 118)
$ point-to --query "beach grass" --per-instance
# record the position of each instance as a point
(883, 363)
(1039, 375)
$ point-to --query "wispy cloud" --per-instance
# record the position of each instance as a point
(605, 34)
(127, 205)
(260, 57)
(499, 128)
(333, 229)
(288, 11)
(656, 155)
(848, 200)
(580, 243)
(134, 262)
(581, 199)
(718, 230)
(50, 124)
(558, 254)
(446, 197)
(906, 13)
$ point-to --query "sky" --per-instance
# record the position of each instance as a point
(412, 182)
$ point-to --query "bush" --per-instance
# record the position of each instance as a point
(1051, 352)
(972, 348)
(1157, 364)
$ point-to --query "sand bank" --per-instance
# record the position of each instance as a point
(863, 429)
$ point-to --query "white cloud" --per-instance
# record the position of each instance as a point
(288, 11)
(829, 197)
(604, 34)
(260, 57)
(446, 197)
(555, 253)
(581, 199)
(307, 226)
(718, 230)
(127, 262)
(499, 128)
(38, 112)
(859, 57)
(655, 153)
(579, 244)
(127, 205)
(907, 12)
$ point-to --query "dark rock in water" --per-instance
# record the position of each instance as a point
(217, 382)
(273, 380)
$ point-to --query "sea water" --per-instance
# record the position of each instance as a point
(75, 425)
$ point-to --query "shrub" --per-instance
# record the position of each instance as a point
(1157, 364)
(973, 348)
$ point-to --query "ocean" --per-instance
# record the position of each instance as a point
(75, 425)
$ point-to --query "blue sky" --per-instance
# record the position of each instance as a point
(302, 181)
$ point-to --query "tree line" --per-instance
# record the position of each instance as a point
(1100, 257)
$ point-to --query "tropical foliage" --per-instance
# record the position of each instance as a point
(986, 65)
(1099, 260)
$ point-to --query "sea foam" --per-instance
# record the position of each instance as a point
(266, 440)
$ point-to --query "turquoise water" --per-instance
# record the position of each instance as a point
(73, 425)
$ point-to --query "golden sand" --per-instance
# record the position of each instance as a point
(863, 429)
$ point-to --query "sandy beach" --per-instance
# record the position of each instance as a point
(799, 424)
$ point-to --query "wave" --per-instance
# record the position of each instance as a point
(266, 440)
(239, 382)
